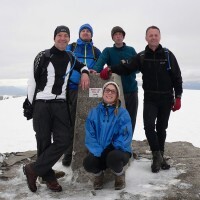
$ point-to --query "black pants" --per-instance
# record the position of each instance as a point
(51, 124)
(73, 95)
(110, 158)
(131, 101)
(156, 114)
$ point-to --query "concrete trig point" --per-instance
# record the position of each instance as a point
(86, 100)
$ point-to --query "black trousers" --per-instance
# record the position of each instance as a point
(51, 124)
(110, 158)
(156, 112)
(131, 101)
(73, 95)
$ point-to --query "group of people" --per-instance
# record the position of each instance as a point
(52, 97)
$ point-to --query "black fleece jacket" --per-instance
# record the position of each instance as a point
(153, 66)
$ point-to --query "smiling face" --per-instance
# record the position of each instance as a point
(86, 35)
(110, 94)
(61, 41)
(153, 38)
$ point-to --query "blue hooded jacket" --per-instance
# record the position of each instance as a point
(84, 51)
(103, 128)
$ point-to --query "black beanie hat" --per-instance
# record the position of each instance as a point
(117, 29)
(61, 29)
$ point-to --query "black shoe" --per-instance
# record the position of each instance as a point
(157, 160)
(31, 177)
(66, 161)
(164, 164)
(54, 186)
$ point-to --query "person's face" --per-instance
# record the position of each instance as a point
(110, 94)
(118, 38)
(61, 41)
(153, 38)
(86, 35)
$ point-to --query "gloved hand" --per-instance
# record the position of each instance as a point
(92, 71)
(105, 73)
(28, 109)
(177, 104)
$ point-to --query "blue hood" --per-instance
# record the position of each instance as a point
(86, 26)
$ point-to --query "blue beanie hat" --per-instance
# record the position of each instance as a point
(86, 26)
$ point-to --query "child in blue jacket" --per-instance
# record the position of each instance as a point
(108, 138)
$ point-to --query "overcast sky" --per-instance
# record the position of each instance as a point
(27, 27)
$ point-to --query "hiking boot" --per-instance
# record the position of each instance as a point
(58, 174)
(54, 186)
(157, 160)
(120, 182)
(98, 182)
(67, 159)
(164, 164)
(31, 177)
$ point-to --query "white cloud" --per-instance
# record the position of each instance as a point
(27, 27)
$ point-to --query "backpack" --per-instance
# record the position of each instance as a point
(142, 55)
(44, 62)
(40, 64)
(94, 50)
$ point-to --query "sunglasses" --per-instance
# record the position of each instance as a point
(107, 90)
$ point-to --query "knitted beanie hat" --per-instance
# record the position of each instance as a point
(117, 101)
(86, 26)
(112, 83)
(117, 29)
(61, 29)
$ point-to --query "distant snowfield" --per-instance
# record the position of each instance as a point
(13, 82)
(17, 133)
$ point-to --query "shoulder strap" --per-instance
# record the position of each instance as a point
(142, 54)
(73, 46)
(41, 62)
(94, 51)
(47, 53)
(167, 56)
(71, 58)
(72, 61)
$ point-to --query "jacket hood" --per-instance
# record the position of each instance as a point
(86, 26)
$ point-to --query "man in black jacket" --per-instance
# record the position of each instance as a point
(162, 82)
(47, 88)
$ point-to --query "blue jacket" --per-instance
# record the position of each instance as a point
(112, 56)
(84, 53)
(103, 128)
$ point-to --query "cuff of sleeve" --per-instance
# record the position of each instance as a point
(85, 71)
(178, 96)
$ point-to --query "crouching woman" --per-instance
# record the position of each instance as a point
(108, 138)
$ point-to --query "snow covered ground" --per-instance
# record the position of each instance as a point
(17, 135)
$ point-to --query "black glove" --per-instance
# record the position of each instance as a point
(28, 109)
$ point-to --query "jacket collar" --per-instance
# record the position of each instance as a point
(81, 42)
(158, 50)
(124, 44)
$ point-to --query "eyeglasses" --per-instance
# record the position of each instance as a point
(107, 90)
